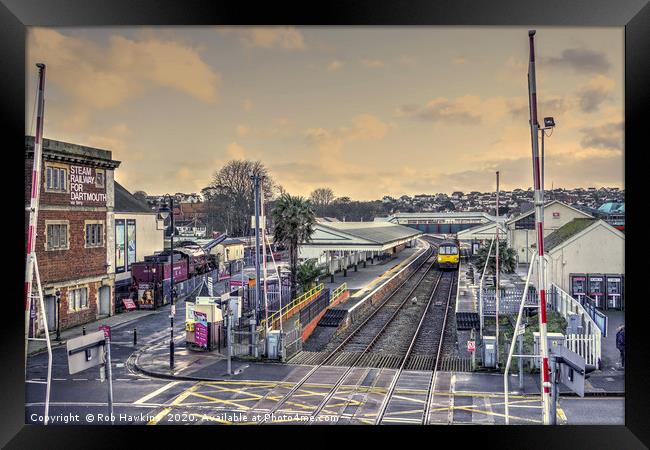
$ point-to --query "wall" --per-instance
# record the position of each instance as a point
(148, 238)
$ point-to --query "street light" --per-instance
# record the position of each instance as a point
(164, 212)
(549, 124)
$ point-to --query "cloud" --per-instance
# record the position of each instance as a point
(608, 137)
(99, 77)
(330, 142)
(247, 105)
(372, 63)
(549, 106)
(334, 66)
(467, 109)
(581, 60)
(287, 38)
(594, 93)
(236, 151)
(243, 130)
(459, 60)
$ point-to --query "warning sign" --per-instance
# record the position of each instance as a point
(471, 346)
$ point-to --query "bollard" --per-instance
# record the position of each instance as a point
(83, 331)
(355, 267)
(345, 272)
(332, 278)
(135, 337)
(364, 264)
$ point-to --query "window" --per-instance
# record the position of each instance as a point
(448, 250)
(94, 234)
(99, 178)
(56, 179)
(77, 299)
(57, 236)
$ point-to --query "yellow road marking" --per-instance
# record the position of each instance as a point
(159, 416)
(156, 392)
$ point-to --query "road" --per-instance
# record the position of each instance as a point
(459, 398)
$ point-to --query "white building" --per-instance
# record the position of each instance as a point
(138, 233)
(521, 229)
(586, 247)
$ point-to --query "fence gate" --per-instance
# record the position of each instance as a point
(292, 342)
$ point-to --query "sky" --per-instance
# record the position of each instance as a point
(366, 111)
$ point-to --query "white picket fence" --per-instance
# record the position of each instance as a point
(588, 344)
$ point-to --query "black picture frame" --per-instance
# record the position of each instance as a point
(634, 15)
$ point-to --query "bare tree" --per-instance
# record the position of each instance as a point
(230, 195)
(321, 198)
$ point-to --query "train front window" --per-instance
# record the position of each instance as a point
(448, 250)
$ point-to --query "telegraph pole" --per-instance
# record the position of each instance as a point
(539, 222)
(258, 287)
(497, 294)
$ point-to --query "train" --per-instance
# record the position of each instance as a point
(448, 254)
(189, 259)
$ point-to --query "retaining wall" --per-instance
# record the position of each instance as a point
(358, 310)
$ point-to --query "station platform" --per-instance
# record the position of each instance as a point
(366, 279)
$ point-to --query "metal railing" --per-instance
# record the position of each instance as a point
(339, 291)
(564, 304)
(293, 307)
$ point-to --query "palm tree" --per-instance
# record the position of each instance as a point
(507, 259)
(308, 272)
(294, 221)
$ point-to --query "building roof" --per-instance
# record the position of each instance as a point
(567, 231)
(360, 235)
(127, 202)
(612, 207)
(232, 241)
(74, 153)
(546, 205)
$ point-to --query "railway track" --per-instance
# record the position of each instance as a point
(424, 354)
(361, 339)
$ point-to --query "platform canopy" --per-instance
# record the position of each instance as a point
(358, 236)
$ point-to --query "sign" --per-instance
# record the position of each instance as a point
(130, 243)
(200, 329)
(471, 346)
(189, 312)
(252, 282)
(521, 330)
(85, 352)
(572, 369)
(556, 215)
(107, 331)
(129, 304)
(262, 222)
(82, 178)
(120, 251)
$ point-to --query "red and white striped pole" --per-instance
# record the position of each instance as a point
(539, 222)
(35, 196)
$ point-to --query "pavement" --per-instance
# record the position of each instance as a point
(111, 321)
(199, 390)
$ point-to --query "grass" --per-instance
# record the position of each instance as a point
(555, 324)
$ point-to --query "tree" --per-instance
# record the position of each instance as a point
(140, 195)
(229, 197)
(308, 272)
(507, 258)
(294, 221)
(321, 198)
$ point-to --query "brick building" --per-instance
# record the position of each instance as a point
(75, 242)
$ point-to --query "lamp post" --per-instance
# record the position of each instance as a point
(165, 212)
(58, 314)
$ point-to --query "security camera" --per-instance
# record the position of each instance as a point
(549, 122)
